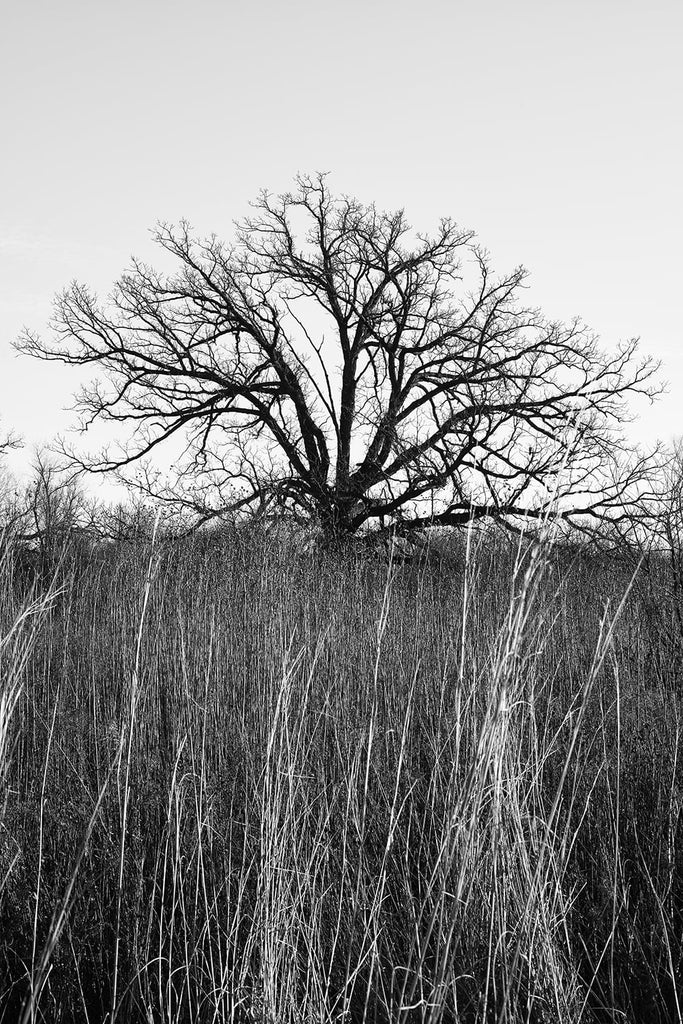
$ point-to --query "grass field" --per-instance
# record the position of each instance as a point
(243, 782)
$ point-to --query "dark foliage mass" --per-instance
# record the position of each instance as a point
(332, 363)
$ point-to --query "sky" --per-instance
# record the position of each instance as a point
(553, 129)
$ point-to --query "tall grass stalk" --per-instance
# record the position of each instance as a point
(246, 783)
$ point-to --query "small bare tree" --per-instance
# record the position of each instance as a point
(55, 508)
(9, 442)
(655, 536)
(333, 364)
(9, 506)
(50, 517)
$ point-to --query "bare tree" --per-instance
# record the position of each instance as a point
(56, 510)
(49, 515)
(9, 442)
(654, 536)
(334, 364)
(9, 506)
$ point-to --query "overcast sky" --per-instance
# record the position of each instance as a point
(551, 128)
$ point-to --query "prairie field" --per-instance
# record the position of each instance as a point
(242, 781)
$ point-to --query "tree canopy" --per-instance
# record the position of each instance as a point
(333, 364)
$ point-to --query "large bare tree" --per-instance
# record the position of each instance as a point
(332, 363)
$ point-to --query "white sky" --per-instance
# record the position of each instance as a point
(551, 128)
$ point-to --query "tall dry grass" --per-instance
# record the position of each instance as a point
(246, 783)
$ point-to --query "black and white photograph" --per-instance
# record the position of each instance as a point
(341, 512)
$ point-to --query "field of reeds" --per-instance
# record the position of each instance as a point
(246, 782)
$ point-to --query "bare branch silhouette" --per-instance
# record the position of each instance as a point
(335, 364)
